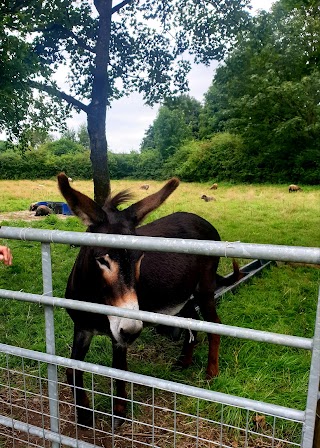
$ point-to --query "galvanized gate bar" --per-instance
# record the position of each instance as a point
(157, 318)
(169, 386)
(312, 398)
(50, 340)
(42, 433)
(178, 245)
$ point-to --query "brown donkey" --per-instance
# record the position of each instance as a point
(154, 281)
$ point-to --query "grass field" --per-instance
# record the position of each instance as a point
(282, 300)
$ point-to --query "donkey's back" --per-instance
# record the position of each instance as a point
(167, 280)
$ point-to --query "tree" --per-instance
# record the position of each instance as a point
(109, 50)
(177, 121)
(167, 132)
(83, 136)
(20, 109)
(191, 109)
(268, 91)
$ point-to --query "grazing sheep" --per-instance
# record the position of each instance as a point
(33, 207)
(293, 187)
(144, 187)
(213, 187)
(70, 179)
(207, 198)
(43, 210)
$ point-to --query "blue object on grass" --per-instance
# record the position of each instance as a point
(60, 208)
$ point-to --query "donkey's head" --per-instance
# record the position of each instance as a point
(118, 269)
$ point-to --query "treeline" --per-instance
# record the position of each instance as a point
(260, 121)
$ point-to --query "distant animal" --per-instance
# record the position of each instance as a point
(159, 282)
(213, 187)
(43, 210)
(207, 198)
(33, 207)
(70, 179)
(294, 187)
(145, 187)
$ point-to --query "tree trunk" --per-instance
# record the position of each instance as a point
(98, 154)
(98, 107)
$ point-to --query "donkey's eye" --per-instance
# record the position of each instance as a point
(104, 262)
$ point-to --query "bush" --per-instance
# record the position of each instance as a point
(122, 165)
(218, 158)
(63, 146)
(149, 165)
(39, 164)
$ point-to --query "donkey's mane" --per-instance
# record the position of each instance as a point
(119, 198)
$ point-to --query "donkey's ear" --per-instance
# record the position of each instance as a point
(136, 212)
(82, 206)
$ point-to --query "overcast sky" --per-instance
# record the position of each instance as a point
(128, 118)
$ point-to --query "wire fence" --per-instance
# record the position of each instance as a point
(37, 407)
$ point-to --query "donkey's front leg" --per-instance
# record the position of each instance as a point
(81, 344)
(119, 361)
(185, 359)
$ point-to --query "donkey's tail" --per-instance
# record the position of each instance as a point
(230, 279)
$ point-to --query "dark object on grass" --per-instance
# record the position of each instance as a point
(207, 198)
(33, 207)
(43, 210)
(59, 208)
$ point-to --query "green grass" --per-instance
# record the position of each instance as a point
(282, 300)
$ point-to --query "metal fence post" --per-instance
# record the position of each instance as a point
(312, 398)
(316, 437)
(50, 341)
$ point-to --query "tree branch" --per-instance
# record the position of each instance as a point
(53, 91)
(120, 5)
(79, 41)
(68, 33)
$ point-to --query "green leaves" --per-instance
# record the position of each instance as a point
(268, 92)
(107, 52)
(176, 122)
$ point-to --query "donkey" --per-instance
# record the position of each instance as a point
(151, 281)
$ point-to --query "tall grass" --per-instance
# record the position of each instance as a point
(282, 300)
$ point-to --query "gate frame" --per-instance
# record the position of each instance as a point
(218, 248)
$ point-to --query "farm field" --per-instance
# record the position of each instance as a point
(282, 300)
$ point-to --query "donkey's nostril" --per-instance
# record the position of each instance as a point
(127, 336)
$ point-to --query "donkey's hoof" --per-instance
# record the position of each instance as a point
(183, 363)
(117, 422)
(85, 417)
(212, 373)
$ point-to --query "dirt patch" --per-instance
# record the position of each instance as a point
(25, 215)
(155, 424)
(149, 427)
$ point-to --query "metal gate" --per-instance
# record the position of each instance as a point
(40, 411)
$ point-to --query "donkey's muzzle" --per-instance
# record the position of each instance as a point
(125, 330)
(127, 337)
